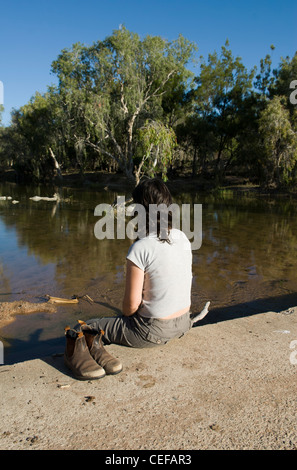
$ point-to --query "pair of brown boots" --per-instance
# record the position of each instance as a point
(86, 356)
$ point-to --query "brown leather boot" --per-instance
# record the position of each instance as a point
(110, 364)
(77, 357)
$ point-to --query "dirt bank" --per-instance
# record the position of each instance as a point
(8, 310)
(224, 385)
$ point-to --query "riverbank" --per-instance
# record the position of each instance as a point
(225, 385)
(8, 310)
(111, 181)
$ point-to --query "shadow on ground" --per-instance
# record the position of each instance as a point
(35, 348)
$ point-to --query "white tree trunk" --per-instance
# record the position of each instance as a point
(57, 166)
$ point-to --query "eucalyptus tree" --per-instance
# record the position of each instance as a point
(223, 85)
(279, 141)
(264, 80)
(35, 124)
(156, 146)
(112, 89)
(285, 82)
(14, 149)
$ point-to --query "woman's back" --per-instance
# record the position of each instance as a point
(167, 273)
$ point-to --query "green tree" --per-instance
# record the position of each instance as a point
(264, 80)
(156, 146)
(195, 136)
(34, 123)
(284, 75)
(279, 141)
(109, 90)
(223, 85)
(13, 146)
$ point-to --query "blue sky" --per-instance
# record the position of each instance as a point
(32, 33)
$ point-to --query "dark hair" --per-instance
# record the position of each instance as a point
(154, 191)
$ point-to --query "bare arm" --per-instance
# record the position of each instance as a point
(133, 289)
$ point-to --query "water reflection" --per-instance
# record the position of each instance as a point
(248, 252)
(249, 249)
(61, 235)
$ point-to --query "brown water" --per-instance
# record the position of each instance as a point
(246, 264)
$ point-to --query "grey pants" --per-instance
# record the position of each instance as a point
(140, 332)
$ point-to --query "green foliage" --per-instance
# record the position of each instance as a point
(111, 88)
(131, 104)
(283, 76)
(223, 88)
(279, 141)
(156, 144)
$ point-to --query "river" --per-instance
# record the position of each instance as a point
(246, 264)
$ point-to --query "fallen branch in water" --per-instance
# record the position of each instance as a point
(59, 300)
(55, 197)
(85, 297)
(74, 300)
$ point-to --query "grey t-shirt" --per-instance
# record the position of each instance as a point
(167, 273)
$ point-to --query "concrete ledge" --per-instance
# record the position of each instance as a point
(226, 385)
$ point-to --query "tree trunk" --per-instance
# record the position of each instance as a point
(57, 166)
(194, 166)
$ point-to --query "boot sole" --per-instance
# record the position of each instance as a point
(114, 373)
(82, 377)
(79, 377)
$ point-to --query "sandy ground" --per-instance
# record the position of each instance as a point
(8, 310)
(225, 385)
